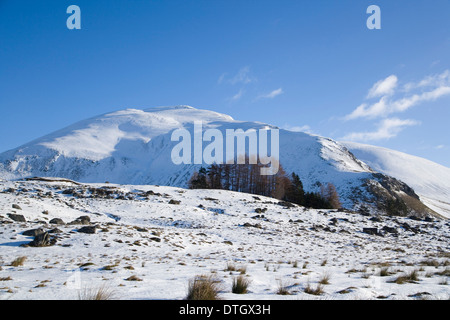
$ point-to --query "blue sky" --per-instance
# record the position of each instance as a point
(303, 65)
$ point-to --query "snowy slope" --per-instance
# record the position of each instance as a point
(431, 181)
(150, 241)
(134, 147)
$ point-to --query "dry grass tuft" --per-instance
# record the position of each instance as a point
(203, 287)
(240, 285)
(101, 293)
(18, 261)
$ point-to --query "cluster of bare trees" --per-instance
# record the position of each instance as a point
(247, 178)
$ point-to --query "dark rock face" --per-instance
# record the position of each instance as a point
(42, 240)
(371, 231)
(57, 221)
(17, 217)
(33, 232)
(390, 230)
(81, 220)
(88, 229)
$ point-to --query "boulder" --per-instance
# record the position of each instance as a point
(390, 230)
(56, 221)
(42, 240)
(371, 231)
(33, 232)
(17, 217)
(16, 206)
(81, 220)
(88, 229)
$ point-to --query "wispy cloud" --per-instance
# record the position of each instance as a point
(387, 128)
(428, 89)
(221, 78)
(238, 95)
(272, 94)
(243, 76)
(383, 87)
(304, 128)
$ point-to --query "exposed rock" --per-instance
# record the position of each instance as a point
(17, 217)
(88, 229)
(57, 221)
(55, 230)
(371, 231)
(376, 219)
(81, 220)
(42, 240)
(33, 232)
(249, 225)
(390, 230)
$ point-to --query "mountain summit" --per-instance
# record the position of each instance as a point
(134, 146)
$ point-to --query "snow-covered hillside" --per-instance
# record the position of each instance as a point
(148, 242)
(134, 147)
(431, 181)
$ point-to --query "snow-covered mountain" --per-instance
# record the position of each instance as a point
(431, 181)
(134, 147)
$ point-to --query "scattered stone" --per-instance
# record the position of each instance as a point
(286, 204)
(371, 231)
(16, 206)
(33, 232)
(133, 278)
(259, 210)
(57, 221)
(333, 221)
(81, 220)
(140, 229)
(17, 217)
(42, 240)
(155, 239)
(390, 230)
(249, 225)
(88, 229)
(55, 230)
(174, 201)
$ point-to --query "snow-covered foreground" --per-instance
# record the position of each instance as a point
(149, 241)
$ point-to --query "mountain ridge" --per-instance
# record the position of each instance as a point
(133, 146)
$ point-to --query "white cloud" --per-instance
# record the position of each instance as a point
(437, 80)
(243, 76)
(428, 89)
(304, 128)
(383, 87)
(221, 78)
(369, 111)
(387, 128)
(272, 94)
(238, 95)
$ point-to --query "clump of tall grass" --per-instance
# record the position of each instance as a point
(240, 285)
(18, 261)
(203, 287)
(100, 293)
